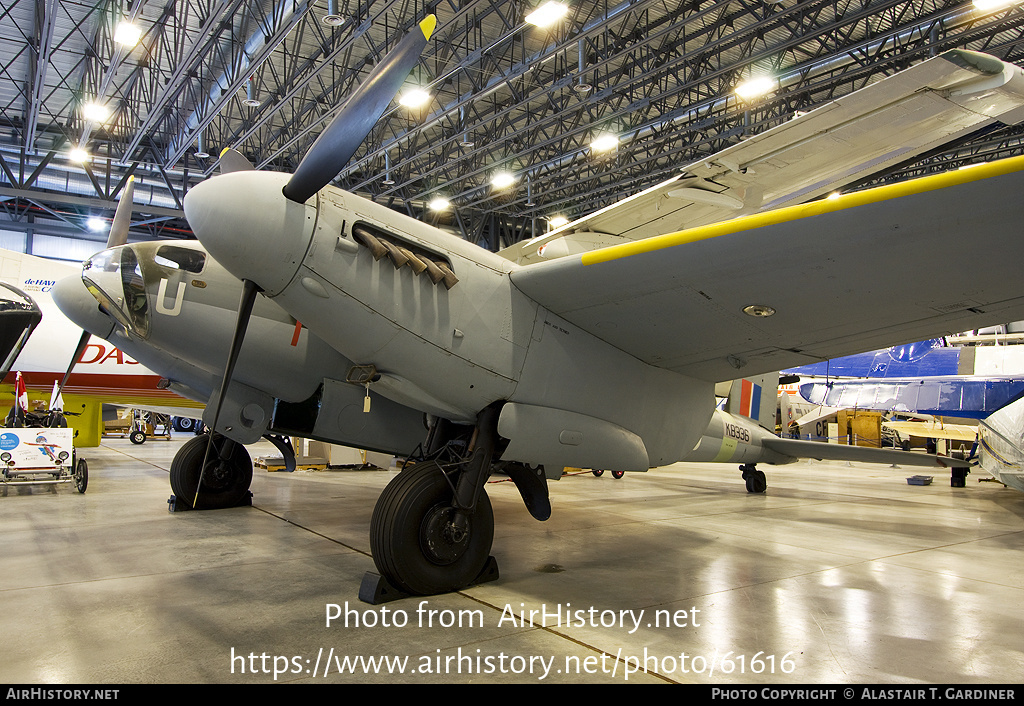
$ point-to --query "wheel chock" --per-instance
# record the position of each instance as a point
(175, 504)
(375, 589)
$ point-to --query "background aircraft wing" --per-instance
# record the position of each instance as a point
(960, 396)
(837, 144)
(878, 267)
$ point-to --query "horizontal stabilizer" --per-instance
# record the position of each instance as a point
(864, 454)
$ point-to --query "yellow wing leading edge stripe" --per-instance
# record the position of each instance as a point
(815, 208)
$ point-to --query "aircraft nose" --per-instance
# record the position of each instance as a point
(75, 302)
(250, 228)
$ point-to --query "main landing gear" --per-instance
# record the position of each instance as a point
(755, 479)
(222, 482)
(432, 527)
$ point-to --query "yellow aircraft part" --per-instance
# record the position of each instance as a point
(935, 430)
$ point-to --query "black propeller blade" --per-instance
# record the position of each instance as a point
(329, 153)
(336, 145)
(245, 304)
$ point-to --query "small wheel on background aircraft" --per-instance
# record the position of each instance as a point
(755, 479)
(137, 437)
(81, 475)
(618, 474)
(598, 473)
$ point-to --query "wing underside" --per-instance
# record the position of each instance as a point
(874, 268)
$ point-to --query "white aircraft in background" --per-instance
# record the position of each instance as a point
(601, 358)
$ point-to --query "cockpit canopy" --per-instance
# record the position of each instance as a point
(117, 278)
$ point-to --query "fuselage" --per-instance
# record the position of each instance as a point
(450, 347)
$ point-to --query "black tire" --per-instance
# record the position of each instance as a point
(224, 483)
(183, 423)
(598, 473)
(618, 474)
(756, 482)
(137, 437)
(81, 475)
(407, 539)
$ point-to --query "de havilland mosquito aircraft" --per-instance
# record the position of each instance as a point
(605, 356)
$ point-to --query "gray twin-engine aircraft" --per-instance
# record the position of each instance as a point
(597, 346)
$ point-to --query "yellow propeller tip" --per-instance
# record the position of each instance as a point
(427, 25)
(222, 152)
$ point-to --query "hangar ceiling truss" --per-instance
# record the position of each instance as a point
(264, 77)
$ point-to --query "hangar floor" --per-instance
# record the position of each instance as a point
(838, 574)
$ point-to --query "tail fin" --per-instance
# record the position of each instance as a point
(757, 398)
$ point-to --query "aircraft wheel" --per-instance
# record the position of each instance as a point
(137, 437)
(618, 474)
(81, 475)
(224, 483)
(183, 423)
(410, 538)
(598, 473)
(756, 482)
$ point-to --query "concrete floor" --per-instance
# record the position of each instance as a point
(838, 574)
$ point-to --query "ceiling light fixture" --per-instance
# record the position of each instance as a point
(250, 95)
(581, 86)
(95, 112)
(127, 35)
(604, 142)
(95, 224)
(77, 154)
(557, 222)
(332, 18)
(201, 152)
(439, 203)
(547, 14)
(989, 4)
(414, 98)
(502, 180)
(467, 141)
(755, 87)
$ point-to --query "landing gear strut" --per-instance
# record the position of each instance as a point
(223, 482)
(756, 481)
